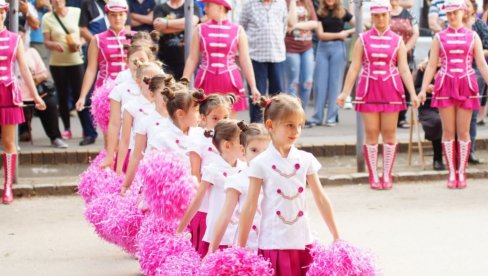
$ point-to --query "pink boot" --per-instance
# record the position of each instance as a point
(463, 156)
(450, 155)
(9, 163)
(389, 156)
(371, 158)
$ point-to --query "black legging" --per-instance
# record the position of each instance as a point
(66, 79)
(49, 118)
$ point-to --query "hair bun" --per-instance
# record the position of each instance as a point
(168, 93)
(264, 101)
(129, 36)
(147, 80)
(243, 126)
(209, 133)
(232, 98)
(155, 35)
(198, 95)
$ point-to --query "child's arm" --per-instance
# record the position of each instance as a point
(196, 163)
(112, 134)
(135, 158)
(127, 120)
(194, 205)
(249, 210)
(231, 200)
(323, 204)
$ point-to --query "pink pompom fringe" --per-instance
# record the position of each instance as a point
(235, 261)
(341, 259)
(168, 186)
(100, 105)
(95, 182)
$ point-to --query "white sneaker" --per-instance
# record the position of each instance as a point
(59, 143)
(348, 104)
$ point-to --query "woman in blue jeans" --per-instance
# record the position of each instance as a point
(330, 60)
(299, 49)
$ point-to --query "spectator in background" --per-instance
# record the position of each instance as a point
(265, 22)
(330, 60)
(27, 18)
(36, 36)
(299, 49)
(141, 14)
(49, 117)
(405, 25)
(437, 16)
(169, 19)
(471, 21)
(65, 64)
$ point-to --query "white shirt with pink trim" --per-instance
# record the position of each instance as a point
(139, 110)
(284, 222)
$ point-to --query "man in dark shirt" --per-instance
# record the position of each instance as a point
(169, 19)
(141, 14)
(93, 20)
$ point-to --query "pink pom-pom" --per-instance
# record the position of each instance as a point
(341, 258)
(122, 222)
(95, 182)
(235, 261)
(100, 105)
(165, 254)
(168, 186)
(97, 211)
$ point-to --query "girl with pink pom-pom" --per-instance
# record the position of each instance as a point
(254, 139)
(180, 132)
(226, 138)
(123, 93)
(136, 112)
(213, 109)
(147, 133)
(283, 171)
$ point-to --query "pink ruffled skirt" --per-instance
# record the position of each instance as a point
(456, 92)
(197, 226)
(380, 96)
(10, 114)
(226, 83)
(291, 262)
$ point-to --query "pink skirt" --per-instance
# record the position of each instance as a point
(10, 114)
(198, 225)
(288, 262)
(380, 96)
(230, 82)
(456, 92)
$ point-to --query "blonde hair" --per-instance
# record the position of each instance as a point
(281, 106)
(338, 11)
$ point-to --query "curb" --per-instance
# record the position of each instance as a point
(70, 188)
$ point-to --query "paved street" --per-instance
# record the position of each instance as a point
(415, 229)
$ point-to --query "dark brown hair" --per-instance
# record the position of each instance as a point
(225, 130)
(337, 11)
(213, 101)
(250, 132)
(280, 107)
(183, 99)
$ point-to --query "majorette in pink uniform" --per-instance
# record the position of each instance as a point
(455, 83)
(380, 87)
(10, 95)
(218, 71)
(111, 55)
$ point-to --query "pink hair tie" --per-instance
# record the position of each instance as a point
(268, 102)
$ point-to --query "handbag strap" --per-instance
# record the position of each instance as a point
(60, 23)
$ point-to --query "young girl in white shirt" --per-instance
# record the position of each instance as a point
(213, 108)
(136, 113)
(156, 123)
(123, 93)
(283, 171)
(225, 137)
(255, 139)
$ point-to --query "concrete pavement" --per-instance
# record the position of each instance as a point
(413, 229)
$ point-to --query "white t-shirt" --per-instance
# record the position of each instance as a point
(123, 76)
(173, 139)
(126, 92)
(240, 183)
(152, 127)
(208, 154)
(216, 174)
(140, 111)
(284, 223)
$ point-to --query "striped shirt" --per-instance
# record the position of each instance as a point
(436, 9)
(265, 26)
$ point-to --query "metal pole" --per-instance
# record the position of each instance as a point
(188, 29)
(359, 123)
(13, 26)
